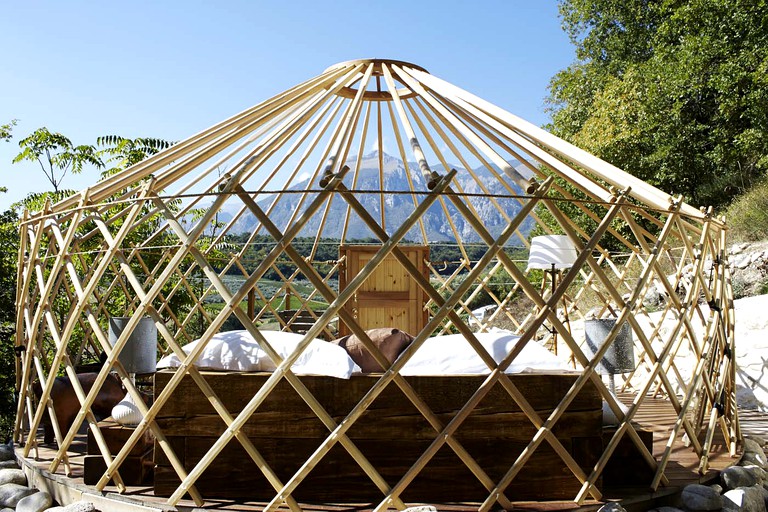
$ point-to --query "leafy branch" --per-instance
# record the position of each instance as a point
(56, 155)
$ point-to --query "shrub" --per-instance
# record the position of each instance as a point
(748, 215)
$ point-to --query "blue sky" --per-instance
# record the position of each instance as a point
(171, 69)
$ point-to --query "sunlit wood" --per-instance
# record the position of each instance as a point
(291, 216)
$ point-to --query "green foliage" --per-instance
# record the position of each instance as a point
(123, 152)
(56, 155)
(6, 129)
(673, 92)
(9, 241)
(748, 215)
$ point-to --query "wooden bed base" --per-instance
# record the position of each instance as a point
(392, 435)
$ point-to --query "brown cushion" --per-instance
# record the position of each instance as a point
(389, 341)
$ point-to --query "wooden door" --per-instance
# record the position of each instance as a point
(389, 297)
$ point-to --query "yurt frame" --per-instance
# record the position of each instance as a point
(80, 251)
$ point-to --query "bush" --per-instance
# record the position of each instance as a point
(748, 215)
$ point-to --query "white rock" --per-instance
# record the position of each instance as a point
(12, 476)
(11, 494)
(37, 502)
(746, 499)
(78, 506)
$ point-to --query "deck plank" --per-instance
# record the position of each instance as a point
(655, 414)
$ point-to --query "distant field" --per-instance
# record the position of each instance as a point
(269, 288)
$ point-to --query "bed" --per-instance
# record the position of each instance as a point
(392, 434)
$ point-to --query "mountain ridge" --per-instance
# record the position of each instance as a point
(442, 221)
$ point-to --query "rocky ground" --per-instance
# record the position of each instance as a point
(749, 268)
(743, 487)
(16, 495)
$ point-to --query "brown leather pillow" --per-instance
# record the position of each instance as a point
(389, 341)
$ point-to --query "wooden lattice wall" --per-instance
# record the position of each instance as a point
(161, 240)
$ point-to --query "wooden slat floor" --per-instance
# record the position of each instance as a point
(655, 414)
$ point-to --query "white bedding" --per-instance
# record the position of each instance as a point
(439, 355)
(453, 355)
(239, 351)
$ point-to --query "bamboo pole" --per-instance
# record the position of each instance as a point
(284, 366)
(516, 395)
(356, 173)
(408, 177)
(418, 154)
(698, 373)
(328, 293)
(216, 323)
(428, 175)
(587, 373)
(22, 343)
(527, 185)
(204, 387)
(600, 168)
(104, 189)
(364, 402)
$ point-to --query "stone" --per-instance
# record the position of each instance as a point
(7, 452)
(696, 497)
(737, 248)
(80, 506)
(11, 494)
(666, 509)
(753, 458)
(757, 439)
(745, 499)
(717, 488)
(753, 453)
(37, 502)
(9, 464)
(613, 506)
(758, 472)
(421, 508)
(737, 476)
(12, 476)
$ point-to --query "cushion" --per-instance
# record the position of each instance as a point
(388, 340)
(453, 355)
(239, 351)
(126, 412)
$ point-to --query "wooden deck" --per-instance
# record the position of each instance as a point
(655, 414)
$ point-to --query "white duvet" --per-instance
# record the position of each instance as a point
(453, 355)
(239, 351)
(439, 355)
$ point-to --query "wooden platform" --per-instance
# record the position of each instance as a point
(392, 434)
(655, 414)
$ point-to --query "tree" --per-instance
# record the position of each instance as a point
(56, 155)
(124, 152)
(673, 92)
(6, 129)
(9, 241)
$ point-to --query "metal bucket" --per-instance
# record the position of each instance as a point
(139, 355)
(620, 356)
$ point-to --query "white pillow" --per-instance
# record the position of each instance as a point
(453, 355)
(239, 351)
(126, 412)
